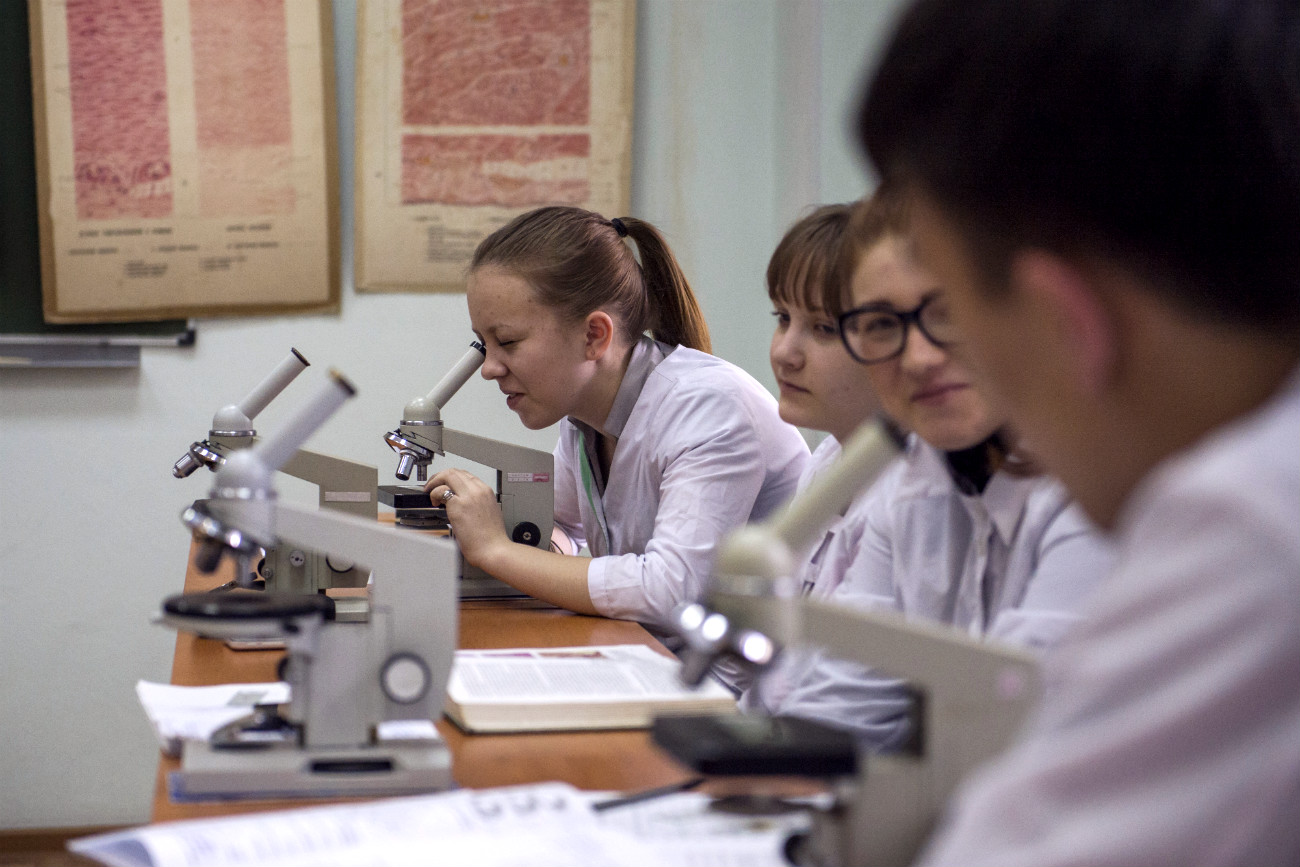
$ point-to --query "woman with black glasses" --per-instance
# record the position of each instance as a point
(961, 530)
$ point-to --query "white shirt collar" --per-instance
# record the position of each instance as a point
(1003, 500)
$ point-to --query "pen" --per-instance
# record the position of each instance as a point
(638, 797)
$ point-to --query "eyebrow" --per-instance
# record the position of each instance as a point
(886, 306)
(782, 305)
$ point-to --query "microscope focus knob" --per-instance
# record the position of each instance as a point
(527, 533)
(339, 564)
(405, 678)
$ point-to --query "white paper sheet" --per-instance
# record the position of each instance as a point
(180, 713)
(542, 825)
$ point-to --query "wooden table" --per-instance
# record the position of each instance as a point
(607, 760)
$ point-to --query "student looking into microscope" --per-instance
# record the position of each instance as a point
(663, 448)
(961, 530)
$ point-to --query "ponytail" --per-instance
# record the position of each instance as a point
(678, 320)
(577, 262)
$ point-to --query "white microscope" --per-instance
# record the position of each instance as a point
(345, 486)
(525, 478)
(363, 695)
(971, 696)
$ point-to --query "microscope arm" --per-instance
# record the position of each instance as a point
(413, 602)
(525, 482)
(345, 485)
(409, 643)
(974, 693)
(502, 456)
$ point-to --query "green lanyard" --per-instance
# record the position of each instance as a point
(589, 483)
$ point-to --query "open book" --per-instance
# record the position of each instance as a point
(566, 688)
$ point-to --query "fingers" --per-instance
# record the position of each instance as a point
(443, 478)
(450, 483)
(440, 494)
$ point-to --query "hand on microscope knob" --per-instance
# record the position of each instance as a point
(472, 512)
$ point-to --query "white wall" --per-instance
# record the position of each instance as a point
(739, 125)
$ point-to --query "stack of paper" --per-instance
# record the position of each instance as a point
(544, 825)
(180, 713)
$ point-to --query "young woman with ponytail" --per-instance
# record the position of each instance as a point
(663, 447)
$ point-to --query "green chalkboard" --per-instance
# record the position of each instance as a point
(20, 257)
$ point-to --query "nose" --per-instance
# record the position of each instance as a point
(919, 354)
(493, 367)
(786, 350)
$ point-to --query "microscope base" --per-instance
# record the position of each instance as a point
(286, 771)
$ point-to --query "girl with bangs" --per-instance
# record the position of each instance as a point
(962, 529)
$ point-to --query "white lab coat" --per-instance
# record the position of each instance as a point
(701, 451)
(824, 569)
(1013, 563)
(1174, 734)
(822, 572)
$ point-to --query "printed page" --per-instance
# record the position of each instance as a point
(370, 833)
(687, 832)
(609, 673)
(549, 825)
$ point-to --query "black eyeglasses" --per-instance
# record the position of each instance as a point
(877, 332)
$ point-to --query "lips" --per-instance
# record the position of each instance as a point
(938, 392)
(790, 387)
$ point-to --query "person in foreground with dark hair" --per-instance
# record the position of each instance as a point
(1110, 194)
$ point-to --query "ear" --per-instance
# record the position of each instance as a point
(599, 334)
(1075, 312)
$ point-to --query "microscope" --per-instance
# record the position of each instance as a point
(363, 695)
(345, 486)
(971, 696)
(525, 481)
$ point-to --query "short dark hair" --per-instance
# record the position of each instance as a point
(1164, 134)
(804, 268)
